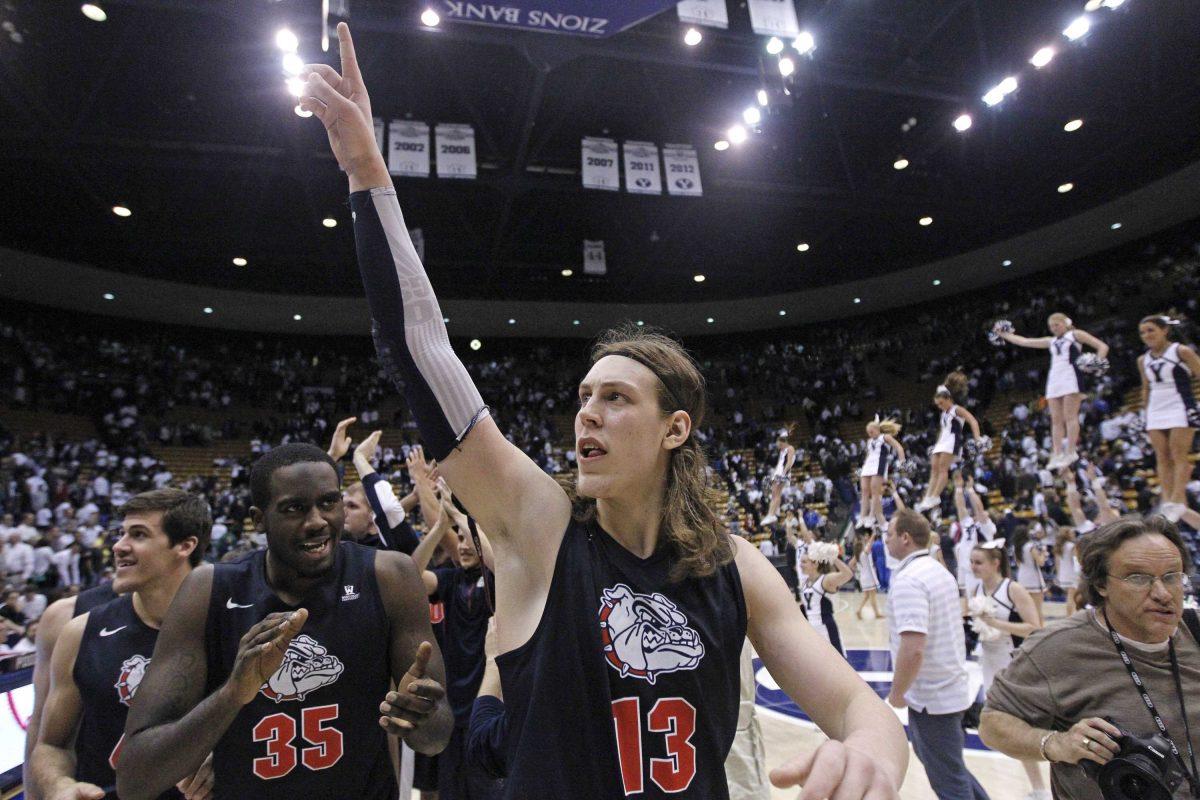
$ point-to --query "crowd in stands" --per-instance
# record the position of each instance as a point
(146, 389)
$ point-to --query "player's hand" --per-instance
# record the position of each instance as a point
(1091, 739)
(836, 770)
(340, 444)
(415, 700)
(340, 101)
(77, 791)
(199, 785)
(261, 652)
(367, 447)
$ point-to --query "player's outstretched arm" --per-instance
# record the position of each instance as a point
(867, 754)
(417, 711)
(53, 763)
(172, 727)
(500, 486)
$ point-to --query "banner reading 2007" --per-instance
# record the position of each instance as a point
(599, 168)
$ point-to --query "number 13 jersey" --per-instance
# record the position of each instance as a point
(629, 686)
(312, 731)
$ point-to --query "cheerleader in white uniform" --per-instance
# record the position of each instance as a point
(950, 440)
(1030, 556)
(1064, 385)
(822, 574)
(976, 528)
(780, 476)
(863, 564)
(1010, 611)
(1066, 566)
(1172, 415)
(882, 450)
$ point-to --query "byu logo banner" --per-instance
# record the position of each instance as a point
(682, 170)
(641, 168)
(600, 164)
(774, 18)
(408, 149)
(593, 258)
(704, 12)
(455, 151)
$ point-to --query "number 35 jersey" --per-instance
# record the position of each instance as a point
(629, 686)
(312, 731)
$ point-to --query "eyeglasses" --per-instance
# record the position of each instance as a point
(1172, 581)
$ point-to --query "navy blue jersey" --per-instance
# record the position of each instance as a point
(467, 608)
(96, 596)
(312, 731)
(113, 656)
(629, 685)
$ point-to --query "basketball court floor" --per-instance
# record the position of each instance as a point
(787, 732)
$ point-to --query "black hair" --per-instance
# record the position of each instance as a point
(283, 456)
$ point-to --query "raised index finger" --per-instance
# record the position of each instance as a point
(346, 49)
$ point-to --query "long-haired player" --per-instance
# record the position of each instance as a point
(1064, 381)
(611, 711)
(1172, 415)
(950, 442)
(882, 452)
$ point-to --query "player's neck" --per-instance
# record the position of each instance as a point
(152, 601)
(287, 583)
(634, 522)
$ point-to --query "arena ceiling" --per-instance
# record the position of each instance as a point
(177, 110)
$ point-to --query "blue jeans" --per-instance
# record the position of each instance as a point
(938, 741)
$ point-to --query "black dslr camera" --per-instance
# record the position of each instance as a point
(1145, 769)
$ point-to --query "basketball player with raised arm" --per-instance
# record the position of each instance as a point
(101, 655)
(620, 620)
(277, 662)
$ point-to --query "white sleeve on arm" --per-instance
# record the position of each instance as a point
(388, 502)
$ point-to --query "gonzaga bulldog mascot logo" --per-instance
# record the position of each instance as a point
(306, 667)
(133, 669)
(645, 635)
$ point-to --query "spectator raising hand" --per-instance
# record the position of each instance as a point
(340, 444)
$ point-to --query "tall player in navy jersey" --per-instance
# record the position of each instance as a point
(101, 655)
(277, 662)
(620, 624)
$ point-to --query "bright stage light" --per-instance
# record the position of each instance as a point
(1042, 57)
(93, 12)
(805, 43)
(1065, 187)
(925, 222)
(1073, 125)
(1078, 28)
(286, 41)
(693, 37)
(752, 116)
(293, 64)
(295, 86)
(736, 134)
(962, 123)
(802, 247)
(301, 111)
(774, 45)
(720, 144)
(122, 211)
(762, 97)
(900, 163)
(239, 261)
(430, 18)
(786, 66)
(1000, 91)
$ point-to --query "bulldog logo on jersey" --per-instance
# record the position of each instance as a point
(133, 669)
(645, 635)
(306, 667)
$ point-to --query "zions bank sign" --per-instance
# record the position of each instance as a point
(595, 18)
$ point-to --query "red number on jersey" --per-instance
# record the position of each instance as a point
(675, 717)
(327, 749)
(279, 731)
(116, 753)
(672, 716)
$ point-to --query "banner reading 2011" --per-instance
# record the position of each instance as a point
(641, 168)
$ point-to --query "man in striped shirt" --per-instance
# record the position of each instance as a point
(928, 653)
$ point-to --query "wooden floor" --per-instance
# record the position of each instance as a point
(1002, 777)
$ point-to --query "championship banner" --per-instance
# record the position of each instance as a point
(641, 168)
(379, 134)
(455, 150)
(682, 170)
(600, 170)
(408, 149)
(594, 18)
(704, 12)
(593, 258)
(774, 18)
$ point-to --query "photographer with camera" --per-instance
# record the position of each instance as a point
(1110, 696)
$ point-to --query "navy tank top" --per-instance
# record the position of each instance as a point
(312, 731)
(629, 685)
(85, 601)
(113, 656)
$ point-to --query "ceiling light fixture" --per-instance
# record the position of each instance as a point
(786, 67)
(208, 309)
(774, 45)
(1042, 57)
(762, 97)
(1073, 125)
(709, 320)
(329, 222)
(297, 317)
(925, 222)
(93, 12)
(962, 122)
(430, 18)
(566, 273)
(900, 163)
(1116, 226)
(295, 87)
(1065, 187)
(1000, 91)
(736, 134)
(857, 300)
(122, 211)
(476, 344)
(302, 112)
(1006, 262)
(720, 144)
(805, 43)
(698, 278)
(286, 41)
(293, 64)
(693, 37)
(238, 261)
(109, 296)
(752, 116)
(1078, 28)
